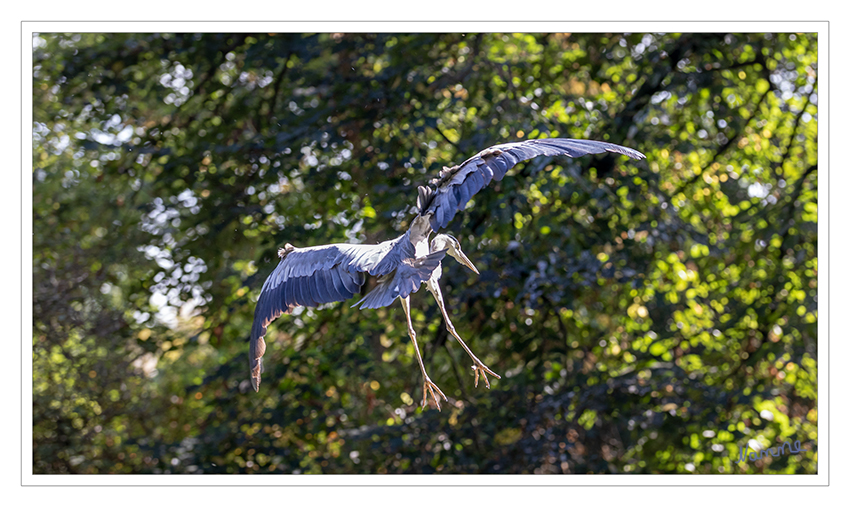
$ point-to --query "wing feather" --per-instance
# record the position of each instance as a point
(308, 284)
(440, 216)
(486, 173)
(499, 169)
(464, 197)
(339, 286)
(458, 184)
(349, 281)
(326, 287)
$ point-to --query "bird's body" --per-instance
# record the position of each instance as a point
(323, 274)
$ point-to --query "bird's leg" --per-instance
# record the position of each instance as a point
(405, 303)
(478, 366)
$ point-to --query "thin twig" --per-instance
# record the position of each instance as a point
(276, 88)
(455, 370)
(437, 128)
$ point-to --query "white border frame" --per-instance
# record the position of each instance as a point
(821, 479)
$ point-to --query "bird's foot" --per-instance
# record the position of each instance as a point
(481, 368)
(430, 386)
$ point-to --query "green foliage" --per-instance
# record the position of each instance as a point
(649, 317)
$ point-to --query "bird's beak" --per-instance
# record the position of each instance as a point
(463, 259)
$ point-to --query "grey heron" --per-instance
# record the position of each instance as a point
(317, 275)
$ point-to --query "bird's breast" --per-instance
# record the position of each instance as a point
(421, 247)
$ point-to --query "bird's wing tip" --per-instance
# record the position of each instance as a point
(255, 382)
(629, 152)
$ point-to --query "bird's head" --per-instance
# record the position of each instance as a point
(447, 241)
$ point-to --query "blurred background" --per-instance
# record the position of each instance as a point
(646, 316)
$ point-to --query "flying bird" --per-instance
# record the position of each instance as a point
(317, 275)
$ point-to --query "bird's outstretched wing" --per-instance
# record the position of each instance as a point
(325, 274)
(458, 184)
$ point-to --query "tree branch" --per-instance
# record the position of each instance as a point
(455, 370)
(437, 128)
(728, 144)
(276, 88)
(793, 135)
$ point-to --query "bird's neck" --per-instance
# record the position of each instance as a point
(420, 230)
